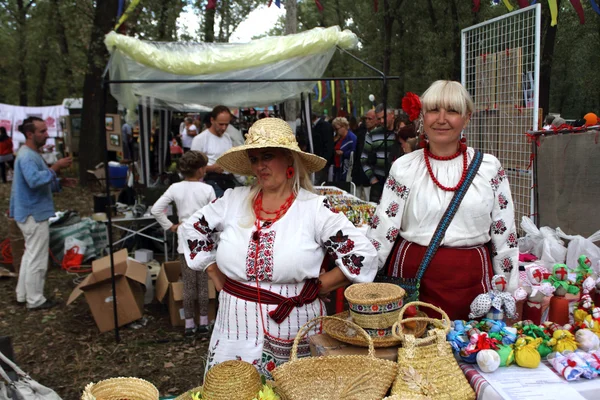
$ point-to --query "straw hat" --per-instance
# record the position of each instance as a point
(267, 132)
(120, 388)
(374, 305)
(230, 378)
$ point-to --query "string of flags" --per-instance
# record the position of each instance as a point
(552, 4)
(339, 91)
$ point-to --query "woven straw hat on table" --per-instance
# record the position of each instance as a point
(374, 305)
(231, 379)
(264, 133)
(120, 389)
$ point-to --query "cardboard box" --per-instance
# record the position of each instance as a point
(325, 345)
(169, 288)
(130, 280)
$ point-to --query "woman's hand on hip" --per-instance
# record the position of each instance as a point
(216, 275)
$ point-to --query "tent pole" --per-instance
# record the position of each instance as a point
(102, 131)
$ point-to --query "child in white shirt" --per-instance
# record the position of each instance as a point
(189, 196)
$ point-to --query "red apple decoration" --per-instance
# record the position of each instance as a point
(411, 311)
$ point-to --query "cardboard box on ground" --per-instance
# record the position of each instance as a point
(130, 280)
(169, 288)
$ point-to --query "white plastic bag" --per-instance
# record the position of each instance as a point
(543, 243)
(578, 246)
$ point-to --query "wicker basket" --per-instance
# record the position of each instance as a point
(120, 389)
(374, 305)
(381, 337)
(188, 395)
(231, 379)
(428, 368)
(348, 377)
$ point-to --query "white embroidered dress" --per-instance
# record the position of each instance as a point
(291, 251)
(412, 206)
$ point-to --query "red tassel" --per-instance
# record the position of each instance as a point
(375, 5)
(523, 3)
(212, 4)
(319, 5)
(579, 10)
(476, 4)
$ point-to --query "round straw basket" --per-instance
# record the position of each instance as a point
(348, 377)
(120, 389)
(188, 395)
(231, 379)
(374, 305)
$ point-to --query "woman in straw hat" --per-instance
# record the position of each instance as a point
(272, 239)
(419, 190)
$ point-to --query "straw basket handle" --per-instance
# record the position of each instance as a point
(443, 324)
(304, 329)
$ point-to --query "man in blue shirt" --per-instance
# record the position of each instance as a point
(31, 206)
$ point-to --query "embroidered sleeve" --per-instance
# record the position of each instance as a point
(351, 250)
(199, 233)
(385, 225)
(505, 253)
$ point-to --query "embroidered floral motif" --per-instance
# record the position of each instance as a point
(392, 209)
(376, 244)
(401, 190)
(512, 240)
(392, 234)
(497, 180)
(506, 264)
(264, 260)
(375, 222)
(493, 249)
(501, 174)
(211, 355)
(328, 205)
(202, 226)
(498, 227)
(353, 263)
(502, 201)
(339, 243)
(197, 246)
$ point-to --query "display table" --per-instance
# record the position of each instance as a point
(136, 226)
(518, 380)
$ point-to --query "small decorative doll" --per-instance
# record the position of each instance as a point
(495, 303)
(532, 310)
(559, 305)
(526, 354)
(563, 341)
(586, 277)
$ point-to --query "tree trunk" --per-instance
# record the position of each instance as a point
(548, 42)
(43, 74)
(91, 148)
(291, 27)
(163, 17)
(209, 25)
(22, 51)
(64, 47)
(456, 41)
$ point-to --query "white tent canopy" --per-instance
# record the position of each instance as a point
(300, 56)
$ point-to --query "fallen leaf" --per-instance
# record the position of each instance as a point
(168, 365)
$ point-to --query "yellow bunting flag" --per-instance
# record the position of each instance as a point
(508, 5)
(332, 92)
(320, 86)
(553, 12)
(127, 13)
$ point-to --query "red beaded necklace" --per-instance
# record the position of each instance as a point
(461, 149)
(278, 213)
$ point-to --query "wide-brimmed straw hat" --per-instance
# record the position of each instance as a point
(264, 133)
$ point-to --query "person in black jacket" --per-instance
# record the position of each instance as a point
(322, 136)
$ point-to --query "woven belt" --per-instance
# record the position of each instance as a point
(285, 305)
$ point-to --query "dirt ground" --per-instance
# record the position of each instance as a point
(62, 347)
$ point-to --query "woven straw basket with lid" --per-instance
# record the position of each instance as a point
(120, 389)
(231, 379)
(427, 367)
(348, 377)
(374, 305)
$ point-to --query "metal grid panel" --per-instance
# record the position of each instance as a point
(500, 69)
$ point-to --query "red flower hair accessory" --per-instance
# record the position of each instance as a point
(411, 104)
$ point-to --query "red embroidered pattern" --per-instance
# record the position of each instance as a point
(375, 222)
(506, 264)
(328, 206)
(392, 234)
(493, 250)
(264, 261)
(376, 244)
(202, 226)
(392, 209)
(497, 180)
(196, 246)
(502, 201)
(353, 263)
(396, 187)
(512, 240)
(498, 227)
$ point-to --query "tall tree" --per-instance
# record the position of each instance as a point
(291, 27)
(89, 155)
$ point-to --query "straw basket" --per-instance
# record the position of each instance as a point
(348, 377)
(231, 379)
(381, 337)
(120, 389)
(188, 395)
(427, 367)
(374, 305)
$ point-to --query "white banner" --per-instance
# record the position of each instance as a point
(12, 116)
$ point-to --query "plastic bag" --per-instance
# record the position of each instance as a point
(578, 246)
(74, 253)
(544, 243)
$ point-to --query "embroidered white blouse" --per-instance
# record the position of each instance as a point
(412, 206)
(290, 250)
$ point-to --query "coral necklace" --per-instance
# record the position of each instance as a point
(277, 213)
(427, 154)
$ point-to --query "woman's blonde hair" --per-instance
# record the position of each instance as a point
(450, 95)
(300, 180)
(341, 122)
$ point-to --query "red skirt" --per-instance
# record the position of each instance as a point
(453, 279)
